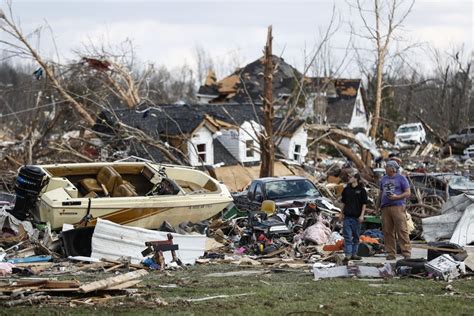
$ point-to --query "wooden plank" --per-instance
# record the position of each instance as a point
(137, 266)
(27, 252)
(34, 264)
(60, 290)
(123, 285)
(115, 267)
(62, 284)
(50, 284)
(109, 282)
(437, 248)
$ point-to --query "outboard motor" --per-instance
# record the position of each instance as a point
(29, 183)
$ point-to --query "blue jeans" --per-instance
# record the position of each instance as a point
(351, 233)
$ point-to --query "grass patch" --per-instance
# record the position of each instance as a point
(284, 293)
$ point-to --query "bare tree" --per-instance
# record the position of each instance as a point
(204, 63)
(23, 47)
(387, 18)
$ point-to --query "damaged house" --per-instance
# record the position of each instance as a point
(209, 135)
(338, 102)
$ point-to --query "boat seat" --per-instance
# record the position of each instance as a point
(91, 194)
(107, 180)
(124, 190)
(188, 185)
(210, 186)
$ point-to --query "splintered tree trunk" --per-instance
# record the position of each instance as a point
(267, 145)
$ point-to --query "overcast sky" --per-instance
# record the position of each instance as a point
(167, 32)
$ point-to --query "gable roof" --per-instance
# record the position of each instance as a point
(245, 85)
(183, 120)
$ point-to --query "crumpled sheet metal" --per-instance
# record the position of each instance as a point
(112, 241)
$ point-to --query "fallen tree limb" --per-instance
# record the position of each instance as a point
(364, 170)
(441, 139)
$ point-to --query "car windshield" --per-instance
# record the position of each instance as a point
(286, 189)
(407, 129)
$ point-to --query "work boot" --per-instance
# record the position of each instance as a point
(345, 261)
(356, 257)
(391, 257)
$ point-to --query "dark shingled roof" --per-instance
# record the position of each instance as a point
(339, 109)
(291, 125)
(208, 90)
(184, 119)
(245, 85)
(180, 120)
(221, 154)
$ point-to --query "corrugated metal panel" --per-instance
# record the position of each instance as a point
(464, 233)
(112, 241)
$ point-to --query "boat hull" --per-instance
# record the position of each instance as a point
(135, 214)
(68, 197)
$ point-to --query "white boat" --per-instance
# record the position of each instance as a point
(139, 194)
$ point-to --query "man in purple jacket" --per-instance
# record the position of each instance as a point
(394, 189)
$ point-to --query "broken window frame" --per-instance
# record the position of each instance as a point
(297, 152)
(201, 152)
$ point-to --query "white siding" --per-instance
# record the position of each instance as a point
(359, 117)
(247, 132)
(205, 99)
(201, 136)
(287, 145)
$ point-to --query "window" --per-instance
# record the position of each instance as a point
(297, 152)
(201, 151)
(249, 148)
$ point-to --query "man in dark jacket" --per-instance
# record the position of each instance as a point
(354, 199)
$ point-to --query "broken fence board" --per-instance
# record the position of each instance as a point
(112, 281)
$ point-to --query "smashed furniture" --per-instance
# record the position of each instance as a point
(158, 247)
(131, 193)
